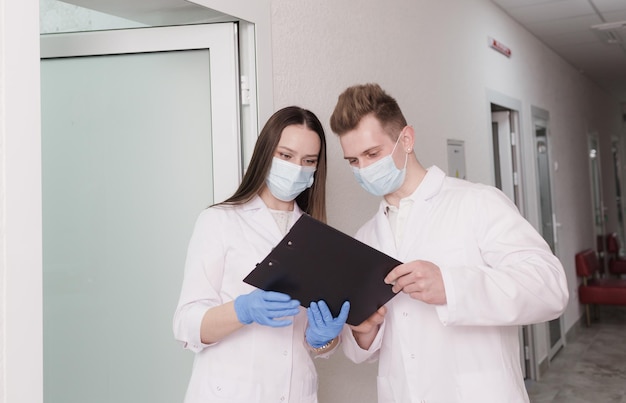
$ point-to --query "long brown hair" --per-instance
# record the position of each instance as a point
(311, 200)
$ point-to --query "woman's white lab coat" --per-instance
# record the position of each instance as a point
(498, 273)
(256, 363)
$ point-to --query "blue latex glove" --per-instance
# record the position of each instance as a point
(322, 326)
(263, 307)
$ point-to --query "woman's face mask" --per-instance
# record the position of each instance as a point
(286, 180)
(382, 177)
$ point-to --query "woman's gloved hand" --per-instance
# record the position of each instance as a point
(322, 327)
(263, 307)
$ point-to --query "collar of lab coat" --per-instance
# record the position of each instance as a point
(428, 187)
(256, 203)
(257, 211)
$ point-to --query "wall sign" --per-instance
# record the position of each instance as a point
(500, 47)
(456, 159)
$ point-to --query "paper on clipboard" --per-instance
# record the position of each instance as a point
(315, 261)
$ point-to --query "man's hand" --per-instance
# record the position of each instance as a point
(365, 333)
(420, 279)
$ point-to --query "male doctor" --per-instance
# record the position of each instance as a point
(474, 268)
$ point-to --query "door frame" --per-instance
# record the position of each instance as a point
(541, 118)
(528, 347)
(21, 312)
(503, 143)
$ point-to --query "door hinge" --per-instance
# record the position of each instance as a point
(245, 91)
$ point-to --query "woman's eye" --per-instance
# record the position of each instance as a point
(310, 162)
(284, 156)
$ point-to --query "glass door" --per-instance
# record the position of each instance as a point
(140, 133)
(597, 202)
(617, 170)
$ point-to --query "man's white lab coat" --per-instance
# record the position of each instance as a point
(498, 273)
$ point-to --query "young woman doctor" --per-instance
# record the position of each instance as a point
(253, 345)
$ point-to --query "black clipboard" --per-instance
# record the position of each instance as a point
(315, 261)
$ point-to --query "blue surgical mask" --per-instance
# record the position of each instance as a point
(286, 180)
(382, 177)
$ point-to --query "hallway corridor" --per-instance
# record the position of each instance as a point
(591, 368)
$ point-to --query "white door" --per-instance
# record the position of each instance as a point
(140, 132)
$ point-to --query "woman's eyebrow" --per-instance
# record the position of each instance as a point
(284, 148)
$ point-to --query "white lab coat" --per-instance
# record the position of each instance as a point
(498, 273)
(256, 363)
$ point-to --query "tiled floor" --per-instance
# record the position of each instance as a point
(591, 368)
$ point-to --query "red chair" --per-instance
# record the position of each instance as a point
(617, 264)
(594, 290)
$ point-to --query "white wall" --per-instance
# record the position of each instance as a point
(20, 204)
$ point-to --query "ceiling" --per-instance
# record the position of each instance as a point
(154, 12)
(589, 34)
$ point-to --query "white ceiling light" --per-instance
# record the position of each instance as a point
(611, 32)
(610, 26)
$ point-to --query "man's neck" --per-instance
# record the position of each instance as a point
(415, 173)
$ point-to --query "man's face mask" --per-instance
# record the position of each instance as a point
(286, 180)
(382, 177)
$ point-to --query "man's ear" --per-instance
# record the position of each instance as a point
(408, 139)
